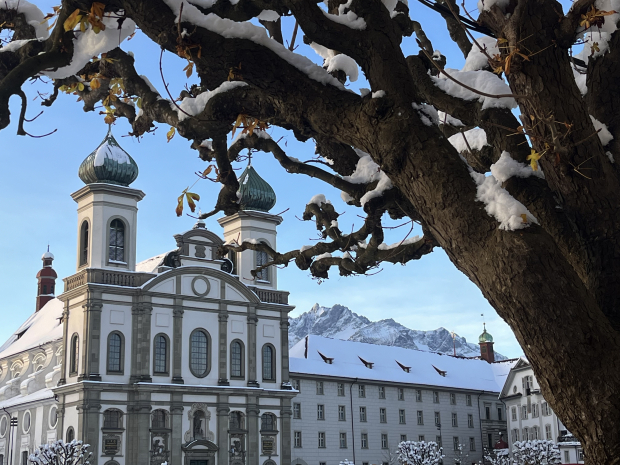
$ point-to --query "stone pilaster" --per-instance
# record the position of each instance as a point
(285, 431)
(284, 347)
(253, 411)
(176, 424)
(177, 342)
(141, 340)
(223, 346)
(223, 412)
(65, 344)
(251, 349)
(91, 339)
(88, 427)
(137, 435)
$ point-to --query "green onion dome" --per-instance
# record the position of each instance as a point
(485, 337)
(255, 192)
(109, 163)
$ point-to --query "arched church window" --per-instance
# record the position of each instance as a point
(113, 418)
(236, 359)
(115, 352)
(199, 425)
(75, 349)
(236, 420)
(70, 434)
(269, 369)
(84, 243)
(160, 354)
(160, 418)
(262, 259)
(199, 353)
(268, 422)
(117, 241)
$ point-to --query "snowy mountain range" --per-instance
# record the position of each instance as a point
(339, 322)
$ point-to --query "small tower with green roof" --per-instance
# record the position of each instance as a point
(253, 223)
(486, 345)
(107, 208)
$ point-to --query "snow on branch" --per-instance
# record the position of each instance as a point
(419, 453)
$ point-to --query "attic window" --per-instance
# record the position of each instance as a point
(20, 334)
(328, 360)
(366, 363)
(441, 372)
(404, 368)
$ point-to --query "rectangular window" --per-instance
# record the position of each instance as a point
(455, 443)
(322, 463)
(548, 432)
(319, 388)
(320, 412)
(534, 411)
(384, 441)
(401, 394)
(490, 440)
(297, 411)
(470, 420)
(420, 416)
(437, 419)
(436, 397)
(362, 413)
(381, 392)
(296, 384)
(342, 415)
(401, 417)
(297, 439)
(566, 456)
(468, 399)
(452, 398)
(545, 409)
(361, 390)
(515, 435)
(500, 414)
(343, 440)
(25, 457)
(418, 395)
(472, 444)
(403, 438)
(321, 440)
(364, 440)
(341, 389)
(524, 412)
(438, 440)
(421, 438)
(487, 412)
(382, 416)
(580, 455)
(514, 413)
(455, 421)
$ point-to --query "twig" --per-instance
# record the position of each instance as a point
(583, 140)
(475, 91)
(292, 46)
(466, 143)
(22, 117)
(161, 71)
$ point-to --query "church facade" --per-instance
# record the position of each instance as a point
(181, 359)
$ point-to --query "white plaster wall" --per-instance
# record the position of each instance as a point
(115, 318)
(70, 420)
(162, 323)
(75, 325)
(268, 331)
(209, 322)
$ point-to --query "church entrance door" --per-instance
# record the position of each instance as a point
(198, 462)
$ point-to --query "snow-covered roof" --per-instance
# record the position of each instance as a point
(425, 368)
(48, 254)
(150, 265)
(41, 394)
(41, 327)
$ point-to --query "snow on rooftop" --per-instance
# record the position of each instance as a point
(461, 373)
(41, 327)
(41, 394)
(150, 265)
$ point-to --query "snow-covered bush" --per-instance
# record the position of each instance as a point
(346, 462)
(419, 453)
(460, 456)
(498, 457)
(61, 453)
(536, 452)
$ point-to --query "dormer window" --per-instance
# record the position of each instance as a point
(406, 369)
(366, 363)
(328, 360)
(117, 241)
(441, 372)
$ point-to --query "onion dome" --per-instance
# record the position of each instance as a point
(109, 163)
(485, 337)
(255, 192)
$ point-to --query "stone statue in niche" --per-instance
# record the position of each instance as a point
(200, 251)
(199, 417)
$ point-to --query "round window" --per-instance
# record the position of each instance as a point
(53, 416)
(26, 424)
(4, 423)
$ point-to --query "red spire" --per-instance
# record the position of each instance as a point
(46, 278)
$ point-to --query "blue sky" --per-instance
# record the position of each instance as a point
(38, 176)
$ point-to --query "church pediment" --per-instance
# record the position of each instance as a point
(199, 445)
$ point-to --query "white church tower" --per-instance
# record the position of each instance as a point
(107, 209)
(253, 223)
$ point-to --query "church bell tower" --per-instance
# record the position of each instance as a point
(46, 280)
(107, 208)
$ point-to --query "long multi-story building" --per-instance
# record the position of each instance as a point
(530, 417)
(357, 401)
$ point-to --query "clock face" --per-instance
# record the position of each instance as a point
(227, 266)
